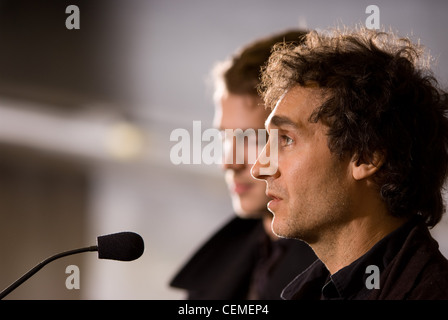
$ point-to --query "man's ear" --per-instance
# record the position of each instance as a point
(362, 170)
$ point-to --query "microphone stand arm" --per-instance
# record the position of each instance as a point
(27, 275)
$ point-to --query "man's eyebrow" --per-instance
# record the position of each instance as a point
(279, 121)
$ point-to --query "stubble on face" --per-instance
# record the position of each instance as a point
(328, 210)
(312, 180)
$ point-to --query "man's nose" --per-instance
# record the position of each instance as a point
(261, 169)
(232, 159)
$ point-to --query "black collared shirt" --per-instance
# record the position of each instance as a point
(316, 283)
(223, 268)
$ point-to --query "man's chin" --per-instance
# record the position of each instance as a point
(278, 229)
(248, 215)
(247, 210)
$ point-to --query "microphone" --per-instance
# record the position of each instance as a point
(122, 246)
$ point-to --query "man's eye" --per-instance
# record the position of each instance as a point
(285, 140)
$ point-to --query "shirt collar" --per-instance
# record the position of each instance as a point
(350, 281)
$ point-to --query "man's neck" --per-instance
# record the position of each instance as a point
(346, 244)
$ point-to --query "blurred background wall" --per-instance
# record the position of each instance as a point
(86, 116)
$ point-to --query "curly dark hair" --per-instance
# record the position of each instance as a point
(382, 98)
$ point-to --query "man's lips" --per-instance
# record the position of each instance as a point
(273, 196)
(240, 188)
(274, 203)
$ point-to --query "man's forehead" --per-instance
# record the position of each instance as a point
(239, 111)
(296, 105)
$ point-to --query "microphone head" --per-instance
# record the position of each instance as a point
(123, 246)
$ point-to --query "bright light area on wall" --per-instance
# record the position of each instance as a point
(83, 135)
(125, 140)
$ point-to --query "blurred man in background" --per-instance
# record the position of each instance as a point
(244, 259)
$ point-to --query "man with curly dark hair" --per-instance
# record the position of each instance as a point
(362, 160)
